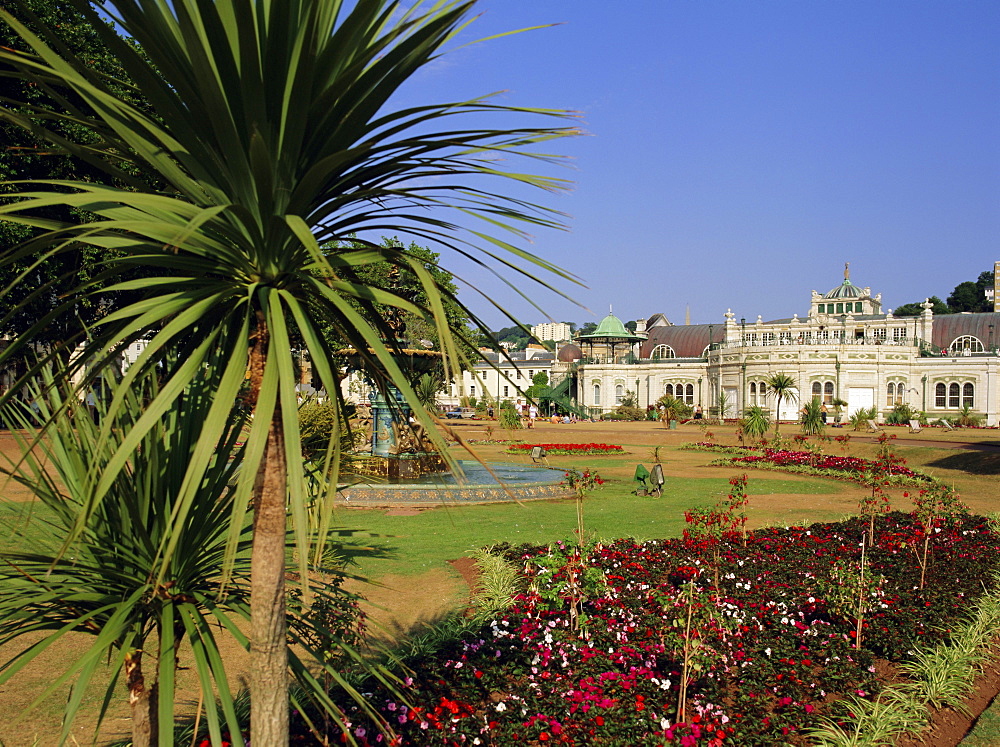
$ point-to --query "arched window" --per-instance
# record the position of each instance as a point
(900, 392)
(619, 394)
(940, 398)
(597, 394)
(828, 393)
(662, 351)
(689, 394)
(968, 395)
(953, 395)
(668, 390)
(753, 393)
(817, 390)
(966, 345)
(890, 395)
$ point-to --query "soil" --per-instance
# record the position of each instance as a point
(950, 726)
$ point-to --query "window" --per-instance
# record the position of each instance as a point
(817, 390)
(894, 394)
(966, 345)
(953, 395)
(879, 334)
(506, 391)
(689, 392)
(857, 306)
(828, 393)
(840, 308)
(597, 394)
(821, 309)
(662, 351)
(753, 393)
(940, 399)
(767, 338)
(472, 391)
(898, 333)
(968, 395)
(668, 390)
(619, 393)
(750, 338)
(531, 375)
(484, 375)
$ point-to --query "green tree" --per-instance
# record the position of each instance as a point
(971, 296)
(782, 386)
(274, 132)
(916, 308)
(26, 156)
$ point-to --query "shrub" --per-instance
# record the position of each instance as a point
(859, 420)
(317, 421)
(902, 414)
(626, 412)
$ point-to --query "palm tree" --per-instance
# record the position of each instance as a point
(124, 573)
(272, 128)
(782, 386)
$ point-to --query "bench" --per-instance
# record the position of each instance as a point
(914, 426)
(538, 454)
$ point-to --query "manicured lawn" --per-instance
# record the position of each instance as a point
(422, 541)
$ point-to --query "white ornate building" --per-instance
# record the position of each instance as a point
(845, 348)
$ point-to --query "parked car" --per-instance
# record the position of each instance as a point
(461, 412)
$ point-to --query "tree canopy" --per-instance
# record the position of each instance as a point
(29, 157)
(967, 296)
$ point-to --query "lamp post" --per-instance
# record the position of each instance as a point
(743, 364)
(991, 339)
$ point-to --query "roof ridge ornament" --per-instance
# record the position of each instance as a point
(847, 271)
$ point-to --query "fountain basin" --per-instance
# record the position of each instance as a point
(512, 482)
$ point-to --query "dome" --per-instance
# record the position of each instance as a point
(611, 326)
(569, 353)
(845, 290)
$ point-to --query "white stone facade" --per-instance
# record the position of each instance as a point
(937, 365)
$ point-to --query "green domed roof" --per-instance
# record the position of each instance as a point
(845, 290)
(610, 327)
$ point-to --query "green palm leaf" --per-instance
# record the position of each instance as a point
(271, 125)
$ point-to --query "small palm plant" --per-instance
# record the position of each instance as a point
(782, 386)
(755, 422)
(812, 417)
(125, 572)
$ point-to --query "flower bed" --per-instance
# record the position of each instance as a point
(560, 449)
(810, 463)
(763, 632)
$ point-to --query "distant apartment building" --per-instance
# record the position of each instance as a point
(557, 331)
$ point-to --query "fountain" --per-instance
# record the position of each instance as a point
(403, 468)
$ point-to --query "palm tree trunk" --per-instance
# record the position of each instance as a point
(142, 702)
(268, 653)
(268, 645)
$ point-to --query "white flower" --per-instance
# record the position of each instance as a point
(501, 706)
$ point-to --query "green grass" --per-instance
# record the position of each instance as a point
(419, 542)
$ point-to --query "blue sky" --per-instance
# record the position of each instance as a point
(738, 153)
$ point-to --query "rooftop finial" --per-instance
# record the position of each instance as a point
(847, 270)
